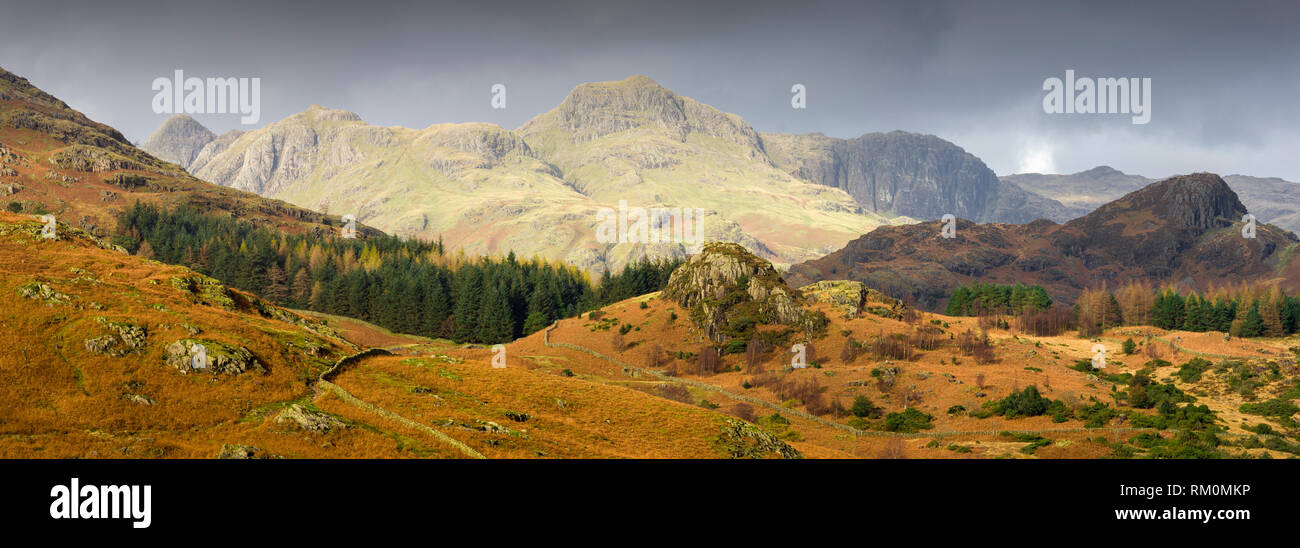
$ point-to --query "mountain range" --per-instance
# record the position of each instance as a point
(1271, 200)
(191, 353)
(536, 190)
(1184, 230)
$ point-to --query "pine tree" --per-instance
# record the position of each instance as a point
(495, 325)
(541, 310)
(1252, 324)
(468, 297)
(436, 309)
(1113, 316)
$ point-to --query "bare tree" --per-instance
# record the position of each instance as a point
(708, 361)
(893, 450)
(754, 355)
(850, 350)
(655, 357)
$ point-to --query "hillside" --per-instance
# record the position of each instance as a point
(882, 382)
(55, 160)
(1184, 230)
(1272, 200)
(102, 346)
(99, 370)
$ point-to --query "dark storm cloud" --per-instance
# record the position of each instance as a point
(1225, 76)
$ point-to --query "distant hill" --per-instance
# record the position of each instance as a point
(1184, 230)
(1272, 200)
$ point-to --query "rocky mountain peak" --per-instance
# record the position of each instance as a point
(326, 114)
(179, 140)
(596, 109)
(1199, 201)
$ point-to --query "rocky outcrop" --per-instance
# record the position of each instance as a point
(853, 298)
(725, 286)
(241, 452)
(123, 338)
(920, 176)
(206, 290)
(307, 419)
(44, 293)
(221, 358)
(741, 440)
(178, 140)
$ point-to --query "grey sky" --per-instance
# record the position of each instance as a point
(1225, 75)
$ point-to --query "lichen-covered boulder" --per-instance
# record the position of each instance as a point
(42, 292)
(309, 420)
(123, 338)
(219, 357)
(205, 290)
(741, 440)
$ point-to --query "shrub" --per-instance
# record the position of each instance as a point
(910, 420)
(1129, 347)
(1095, 415)
(1028, 403)
(1191, 371)
(862, 407)
(1273, 408)
(734, 346)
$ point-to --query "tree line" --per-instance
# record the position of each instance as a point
(1258, 310)
(980, 299)
(403, 284)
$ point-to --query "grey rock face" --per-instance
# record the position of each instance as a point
(920, 176)
(179, 140)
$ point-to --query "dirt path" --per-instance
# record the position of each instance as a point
(324, 383)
